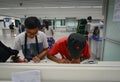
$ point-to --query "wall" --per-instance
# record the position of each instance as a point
(112, 37)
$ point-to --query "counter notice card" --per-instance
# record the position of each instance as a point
(26, 76)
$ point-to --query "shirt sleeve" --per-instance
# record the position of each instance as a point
(86, 51)
(45, 43)
(55, 49)
(17, 44)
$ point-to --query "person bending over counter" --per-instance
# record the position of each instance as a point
(73, 49)
(33, 43)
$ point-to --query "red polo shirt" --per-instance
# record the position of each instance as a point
(61, 47)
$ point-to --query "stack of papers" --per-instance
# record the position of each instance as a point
(26, 76)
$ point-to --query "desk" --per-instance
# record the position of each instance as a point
(53, 72)
(45, 61)
(64, 81)
(101, 72)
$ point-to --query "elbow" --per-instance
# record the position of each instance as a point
(49, 56)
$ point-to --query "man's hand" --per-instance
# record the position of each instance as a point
(36, 59)
(64, 61)
(75, 61)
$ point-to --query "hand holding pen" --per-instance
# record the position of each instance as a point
(64, 60)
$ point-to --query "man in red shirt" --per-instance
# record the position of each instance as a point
(73, 49)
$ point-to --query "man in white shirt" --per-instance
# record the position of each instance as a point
(33, 42)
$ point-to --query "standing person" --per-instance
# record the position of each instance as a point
(89, 29)
(88, 26)
(32, 42)
(21, 28)
(73, 49)
(11, 26)
(49, 32)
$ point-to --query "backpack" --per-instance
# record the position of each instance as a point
(6, 52)
(81, 26)
(96, 31)
(11, 26)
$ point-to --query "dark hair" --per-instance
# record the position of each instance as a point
(96, 31)
(32, 22)
(89, 18)
(46, 24)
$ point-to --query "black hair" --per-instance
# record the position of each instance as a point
(46, 24)
(32, 22)
(89, 18)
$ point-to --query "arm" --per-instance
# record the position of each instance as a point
(44, 51)
(41, 55)
(53, 52)
(53, 58)
(52, 32)
(17, 46)
(58, 60)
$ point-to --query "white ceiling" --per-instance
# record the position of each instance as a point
(52, 8)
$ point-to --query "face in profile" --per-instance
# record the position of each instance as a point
(31, 33)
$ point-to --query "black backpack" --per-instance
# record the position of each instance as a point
(81, 26)
(6, 52)
(11, 26)
(96, 31)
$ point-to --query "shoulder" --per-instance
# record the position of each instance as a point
(20, 36)
(41, 34)
(62, 40)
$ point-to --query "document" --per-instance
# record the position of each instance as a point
(26, 76)
(116, 14)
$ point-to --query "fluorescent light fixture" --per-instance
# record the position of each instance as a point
(97, 6)
(68, 7)
(89, 7)
(51, 7)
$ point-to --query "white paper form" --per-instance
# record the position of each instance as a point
(116, 15)
(26, 76)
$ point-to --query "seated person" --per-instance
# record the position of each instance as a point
(33, 42)
(73, 49)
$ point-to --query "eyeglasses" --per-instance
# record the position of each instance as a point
(31, 34)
